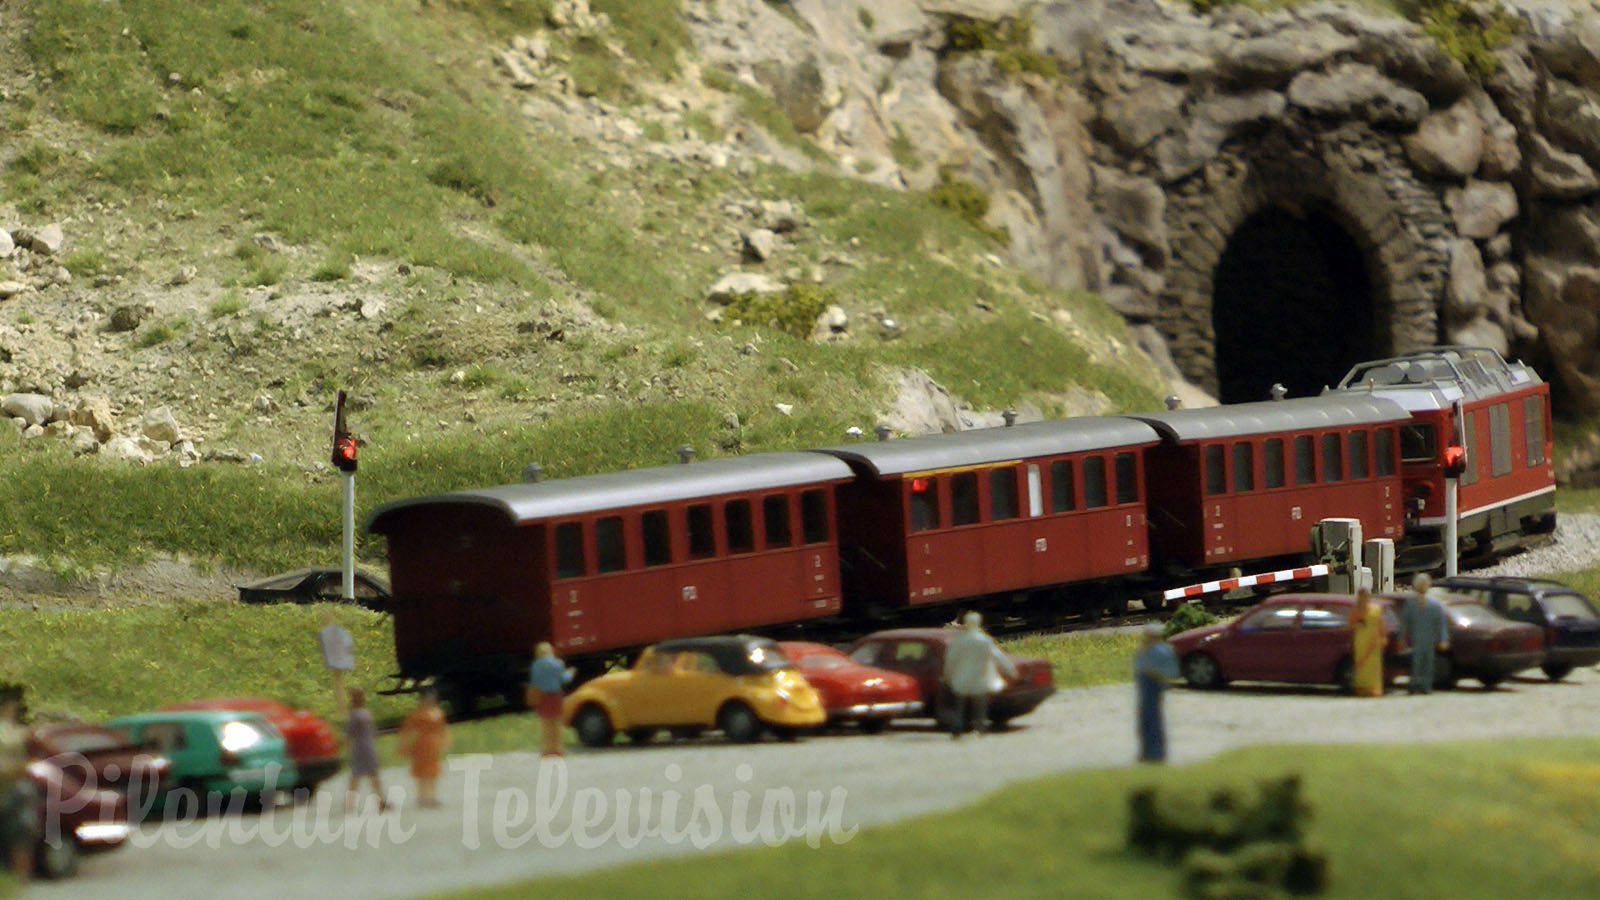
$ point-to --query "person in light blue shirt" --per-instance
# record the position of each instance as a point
(546, 679)
(1427, 629)
(1154, 667)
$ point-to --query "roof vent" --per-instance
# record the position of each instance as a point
(1279, 391)
(853, 432)
(1173, 402)
(1010, 415)
(685, 453)
(531, 473)
(882, 431)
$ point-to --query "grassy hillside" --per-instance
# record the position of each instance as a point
(537, 297)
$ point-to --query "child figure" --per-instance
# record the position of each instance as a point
(424, 737)
(362, 735)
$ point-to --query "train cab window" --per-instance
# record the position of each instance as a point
(1061, 485)
(1216, 470)
(1332, 464)
(1244, 467)
(569, 550)
(1419, 442)
(1357, 446)
(924, 504)
(813, 517)
(1500, 439)
(1533, 430)
(775, 515)
(657, 538)
(963, 498)
(610, 554)
(1002, 494)
(1469, 426)
(702, 540)
(1094, 482)
(1305, 463)
(736, 516)
(1127, 478)
(1385, 451)
(1273, 461)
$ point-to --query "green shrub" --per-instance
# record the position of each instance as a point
(1186, 616)
(229, 303)
(334, 267)
(966, 200)
(159, 332)
(1009, 39)
(1469, 32)
(794, 311)
(84, 262)
(36, 159)
(866, 18)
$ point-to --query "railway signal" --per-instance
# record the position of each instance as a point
(344, 459)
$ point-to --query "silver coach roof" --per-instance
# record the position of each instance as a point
(986, 445)
(524, 503)
(1300, 414)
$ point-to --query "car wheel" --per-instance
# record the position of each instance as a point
(641, 735)
(1556, 671)
(1490, 682)
(593, 726)
(57, 859)
(873, 726)
(1344, 675)
(1200, 670)
(739, 723)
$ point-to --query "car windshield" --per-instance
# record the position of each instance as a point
(1570, 606)
(1467, 612)
(766, 658)
(821, 661)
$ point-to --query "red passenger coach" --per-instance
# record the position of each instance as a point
(1498, 411)
(1247, 481)
(997, 510)
(607, 562)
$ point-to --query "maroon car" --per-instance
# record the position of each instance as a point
(74, 816)
(116, 763)
(919, 652)
(1483, 644)
(852, 692)
(1293, 638)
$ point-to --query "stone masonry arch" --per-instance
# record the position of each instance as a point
(1355, 178)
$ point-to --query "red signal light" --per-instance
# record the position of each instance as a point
(1455, 461)
(344, 453)
(918, 485)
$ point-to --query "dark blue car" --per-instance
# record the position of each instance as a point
(1570, 621)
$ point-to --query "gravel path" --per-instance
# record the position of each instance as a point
(486, 836)
(1577, 546)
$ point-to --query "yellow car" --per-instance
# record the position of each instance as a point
(743, 685)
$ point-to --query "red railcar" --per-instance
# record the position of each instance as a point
(1500, 413)
(944, 517)
(1246, 482)
(607, 562)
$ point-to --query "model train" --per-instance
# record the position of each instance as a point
(1055, 517)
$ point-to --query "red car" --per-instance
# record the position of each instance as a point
(1483, 644)
(74, 816)
(1294, 638)
(852, 692)
(116, 763)
(919, 652)
(311, 742)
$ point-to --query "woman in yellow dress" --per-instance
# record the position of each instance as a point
(424, 737)
(1367, 639)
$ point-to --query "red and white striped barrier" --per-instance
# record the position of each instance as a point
(1211, 587)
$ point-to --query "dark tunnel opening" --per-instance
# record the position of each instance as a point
(1291, 303)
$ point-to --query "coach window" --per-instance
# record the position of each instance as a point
(1216, 470)
(1305, 462)
(813, 517)
(1002, 494)
(924, 504)
(702, 540)
(1500, 439)
(1533, 429)
(1332, 468)
(610, 554)
(736, 517)
(1470, 426)
(1273, 459)
(569, 550)
(1061, 485)
(1418, 442)
(1127, 478)
(657, 538)
(1035, 492)
(963, 498)
(1244, 467)
(1358, 454)
(1094, 482)
(1385, 451)
(775, 515)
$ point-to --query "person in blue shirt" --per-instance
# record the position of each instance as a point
(1154, 666)
(546, 678)
(1427, 628)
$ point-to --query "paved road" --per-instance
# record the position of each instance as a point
(484, 833)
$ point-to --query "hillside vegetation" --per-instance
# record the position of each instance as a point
(366, 203)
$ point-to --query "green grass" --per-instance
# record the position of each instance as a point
(1473, 820)
(1081, 659)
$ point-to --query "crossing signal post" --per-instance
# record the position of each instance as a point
(344, 459)
(1455, 465)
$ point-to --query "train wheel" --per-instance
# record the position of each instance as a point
(1201, 670)
(739, 723)
(594, 726)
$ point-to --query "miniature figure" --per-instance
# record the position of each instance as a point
(424, 737)
(1427, 630)
(1154, 667)
(1368, 636)
(19, 797)
(546, 677)
(338, 655)
(974, 669)
(362, 735)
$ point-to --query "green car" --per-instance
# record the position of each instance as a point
(214, 752)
